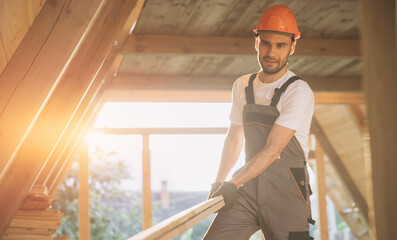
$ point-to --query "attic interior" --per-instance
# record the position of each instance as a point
(61, 61)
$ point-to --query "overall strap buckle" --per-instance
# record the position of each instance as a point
(279, 91)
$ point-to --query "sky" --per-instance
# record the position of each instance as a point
(186, 162)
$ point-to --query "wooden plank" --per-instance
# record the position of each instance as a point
(339, 98)
(359, 116)
(216, 96)
(124, 22)
(148, 131)
(380, 85)
(3, 60)
(84, 193)
(31, 231)
(208, 83)
(321, 192)
(51, 123)
(234, 46)
(24, 236)
(65, 156)
(22, 61)
(339, 166)
(166, 96)
(36, 223)
(147, 207)
(136, 13)
(35, 214)
(34, 7)
(14, 23)
(182, 221)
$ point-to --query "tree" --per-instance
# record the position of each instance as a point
(115, 212)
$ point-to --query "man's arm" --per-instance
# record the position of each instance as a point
(279, 137)
(231, 151)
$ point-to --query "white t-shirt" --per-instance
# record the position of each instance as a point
(296, 104)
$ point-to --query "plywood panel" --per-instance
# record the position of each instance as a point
(237, 18)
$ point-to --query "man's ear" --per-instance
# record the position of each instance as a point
(292, 48)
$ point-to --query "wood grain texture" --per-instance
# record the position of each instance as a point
(31, 96)
(182, 221)
(122, 20)
(147, 205)
(321, 192)
(234, 46)
(338, 164)
(84, 193)
(14, 23)
(379, 71)
(216, 83)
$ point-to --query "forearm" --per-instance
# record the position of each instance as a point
(230, 153)
(278, 138)
(256, 165)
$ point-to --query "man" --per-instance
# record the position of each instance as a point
(272, 110)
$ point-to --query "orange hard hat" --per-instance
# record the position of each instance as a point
(280, 19)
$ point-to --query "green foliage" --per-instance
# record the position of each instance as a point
(108, 219)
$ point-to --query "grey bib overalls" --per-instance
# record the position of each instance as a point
(277, 200)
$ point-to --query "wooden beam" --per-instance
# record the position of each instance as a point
(130, 131)
(217, 96)
(53, 174)
(322, 192)
(339, 98)
(58, 110)
(208, 83)
(359, 117)
(378, 30)
(147, 204)
(128, 87)
(36, 80)
(177, 224)
(84, 193)
(55, 171)
(165, 44)
(325, 143)
(19, 66)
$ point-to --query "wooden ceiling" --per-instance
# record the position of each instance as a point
(215, 38)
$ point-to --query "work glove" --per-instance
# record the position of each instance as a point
(214, 187)
(229, 192)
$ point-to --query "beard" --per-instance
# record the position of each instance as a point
(272, 69)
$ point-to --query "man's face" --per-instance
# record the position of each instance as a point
(273, 51)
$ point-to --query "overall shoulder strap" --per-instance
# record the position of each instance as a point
(249, 90)
(279, 91)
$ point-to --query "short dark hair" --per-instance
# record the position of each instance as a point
(282, 33)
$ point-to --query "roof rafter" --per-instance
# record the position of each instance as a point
(132, 87)
(189, 82)
(75, 85)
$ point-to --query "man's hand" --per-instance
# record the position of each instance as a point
(229, 192)
(214, 187)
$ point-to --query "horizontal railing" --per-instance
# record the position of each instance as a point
(179, 223)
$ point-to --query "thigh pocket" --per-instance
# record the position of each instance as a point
(299, 236)
(298, 175)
